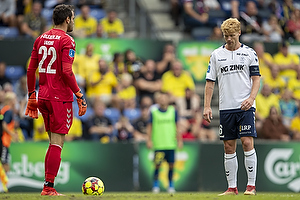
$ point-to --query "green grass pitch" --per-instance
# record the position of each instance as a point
(148, 195)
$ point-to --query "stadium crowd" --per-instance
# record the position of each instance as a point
(121, 91)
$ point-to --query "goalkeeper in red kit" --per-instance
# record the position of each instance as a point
(53, 54)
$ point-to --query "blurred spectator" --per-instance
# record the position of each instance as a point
(140, 124)
(34, 23)
(85, 64)
(112, 26)
(272, 30)
(264, 101)
(9, 133)
(293, 25)
(168, 56)
(176, 81)
(288, 107)
(126, 93)
(294, 85)
(149, 81)
(22, 8)
(251, 23)
(190, 104)
(84, 24)
(3, 77)
(117, 65)
(195, 14)
(266, 61)
(133, 64)
(273, 128)
(100, 83)
(287, 62)
(275, 81)
(7, 13)
(124, 129)
(284, 14)
(99, 126)
(176, 10)
(295, 128)
(195, 128)
(216, 34)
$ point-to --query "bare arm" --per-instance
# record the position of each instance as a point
(188, 8)
(209, 89)
(247, 104)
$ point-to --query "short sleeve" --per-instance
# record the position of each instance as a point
(254, 64)
(211, 73)
(68, 50)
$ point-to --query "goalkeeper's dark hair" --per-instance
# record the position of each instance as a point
(61, 13)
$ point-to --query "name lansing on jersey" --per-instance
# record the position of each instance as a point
(232, 68)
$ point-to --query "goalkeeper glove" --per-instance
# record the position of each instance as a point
(31, 109)
(81, 103)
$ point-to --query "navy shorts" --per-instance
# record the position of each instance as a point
(234, 125)
(161, 155)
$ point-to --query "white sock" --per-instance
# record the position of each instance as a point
(231, 167)
(250, 165)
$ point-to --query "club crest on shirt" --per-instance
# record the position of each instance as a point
(71, 53)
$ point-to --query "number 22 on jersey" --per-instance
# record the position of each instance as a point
(47, 52)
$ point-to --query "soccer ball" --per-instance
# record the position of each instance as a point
(92, 186)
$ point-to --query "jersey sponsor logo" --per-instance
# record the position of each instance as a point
(222, 59)
(232, 68)
(55, 37)
(71, 53)
(242, 54)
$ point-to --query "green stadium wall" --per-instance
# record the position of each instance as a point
(129, 167)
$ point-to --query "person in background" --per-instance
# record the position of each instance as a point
(287, 62)
(85, 24)
(112, 26)
(3, 77)
(140, 124)
(34, 23)
(9, 133)
(149, 81)
(272, 30)
(266, 61)
(101, 83)
(163, 138)
(124, 129)
(175, 82)
(7, 13)
(117, 65)
(168, 57)
(275, 81)
(294, 85)
(288, 107)
(264, 101)
(126, 93)
(99, 126)
(273, 127)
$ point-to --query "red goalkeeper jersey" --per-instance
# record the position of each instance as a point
(51, 49)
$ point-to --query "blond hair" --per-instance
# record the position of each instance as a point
(231, 25)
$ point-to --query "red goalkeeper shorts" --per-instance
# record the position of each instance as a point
(58, 115)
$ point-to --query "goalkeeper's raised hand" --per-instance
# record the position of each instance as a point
(31, 109)
(81, 103)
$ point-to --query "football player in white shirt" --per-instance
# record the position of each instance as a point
(236, 67)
